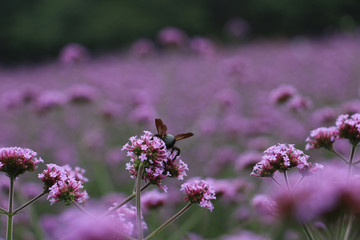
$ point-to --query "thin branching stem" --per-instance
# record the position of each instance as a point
(272, 177)
(30, 202)
(125, 201)
(83, 210)
(138, 203)
(172, 219)
(338, 155)
(9, 231)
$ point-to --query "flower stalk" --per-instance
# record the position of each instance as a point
(9, 231)
(138, 203)
(30, 202)
(172, 219)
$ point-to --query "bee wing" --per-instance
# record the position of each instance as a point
(161, 127)
(183, 136)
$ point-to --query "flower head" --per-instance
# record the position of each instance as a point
(200, 192)
(16, 160)
(64, 183)
(176, 167)
(282, 94)
(150, 152)
(68, 190)
(322, 137)
(125, 218)
(349, 127)
(280, 157)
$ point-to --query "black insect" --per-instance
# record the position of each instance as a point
(169, 139)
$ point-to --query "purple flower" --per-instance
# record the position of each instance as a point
(176, 167)
(282, 94)
(74, 225)
(280, 158)
(16, 160)
(64, 183)
(172, 36)
(322, 137)
(81, 94)
(230, 190)
(67, 189)
(199, 192)
(50, 100)
(150, 151)
(349, 127)
(125, 219)
(73, 53)
(143, 48)
(152, 200)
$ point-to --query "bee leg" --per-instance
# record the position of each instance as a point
(177, 151)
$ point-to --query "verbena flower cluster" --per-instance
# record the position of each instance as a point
(199, 192)
(15, 160)
(63, 183)
(322, 137)
(347, 127)
(124, 218)
(158, 162)
(280, 157)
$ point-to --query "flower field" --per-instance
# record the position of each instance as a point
(89, 113)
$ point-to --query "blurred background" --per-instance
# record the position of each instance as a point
(78, 78)
(37, 30)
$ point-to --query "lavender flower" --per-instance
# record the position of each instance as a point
(67, 189)
(349, 127)
(172, 36)
(280, 158)
(199, 192)
(15, 161)
(322, 137)
(63, 183)
(152, 200)
(150, 151)
(81, 94)
(125, 218)
(175, 167)
(282, 94)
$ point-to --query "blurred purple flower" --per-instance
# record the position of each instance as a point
(73, 53)
(16, 160)
(172, 36)
(199, 192)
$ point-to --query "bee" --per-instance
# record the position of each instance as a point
(169, 139)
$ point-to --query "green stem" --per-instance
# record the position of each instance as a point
(307, 231)
(83, 209)
(353, 148)
(30, 202)
(9, 231)
(338, 155)
(138, 203)
(125, 201)
(298, 183)
(304, 226)
(3, 211)
(172, 219)
(287, 181)
(348, 228)
(272, 177)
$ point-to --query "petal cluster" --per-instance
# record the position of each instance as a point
(280, 157)
(349, 127)
(200, 192)
(322, 137)
(63, 183)
(149, 151)
(125, 219)
(16, 160)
